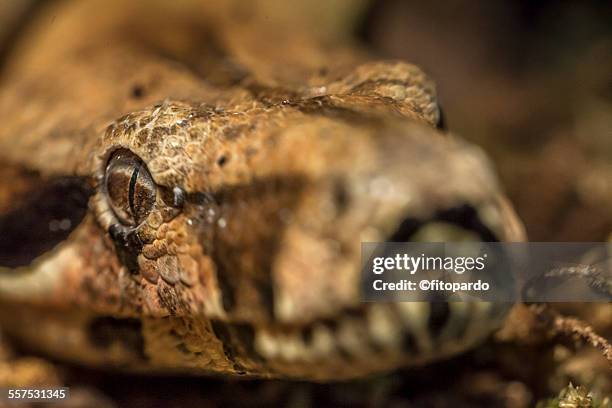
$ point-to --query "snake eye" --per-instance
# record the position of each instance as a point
(129, 187)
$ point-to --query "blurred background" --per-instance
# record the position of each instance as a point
(530, 82)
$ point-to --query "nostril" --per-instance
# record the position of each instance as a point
(407, 228)
(450, 224)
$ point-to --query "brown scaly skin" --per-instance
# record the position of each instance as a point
(248, 262)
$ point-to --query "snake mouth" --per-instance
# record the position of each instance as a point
(461, 223)
(375, 337)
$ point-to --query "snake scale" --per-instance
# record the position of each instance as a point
(194, 199)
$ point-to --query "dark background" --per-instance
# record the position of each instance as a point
(530, 81)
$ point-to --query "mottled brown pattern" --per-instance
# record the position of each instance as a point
(248, 261)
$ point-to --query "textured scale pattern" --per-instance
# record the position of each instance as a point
(247, 262)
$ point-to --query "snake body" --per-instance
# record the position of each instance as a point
(200, 207)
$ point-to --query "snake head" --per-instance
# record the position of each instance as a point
(252, 220)
(224, 235)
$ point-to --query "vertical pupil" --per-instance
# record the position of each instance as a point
(132, 189)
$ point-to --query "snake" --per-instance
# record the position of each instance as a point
(194, 199)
